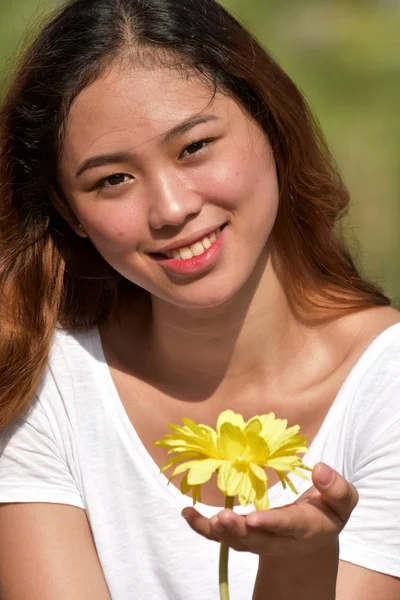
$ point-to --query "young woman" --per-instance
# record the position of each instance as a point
(169, 249)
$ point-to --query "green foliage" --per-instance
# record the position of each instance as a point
(345, 56)
(19, 20)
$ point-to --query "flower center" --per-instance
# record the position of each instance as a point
(241, 460)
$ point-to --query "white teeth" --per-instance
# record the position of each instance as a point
(197, 248)
(185, 253)
(206, 243)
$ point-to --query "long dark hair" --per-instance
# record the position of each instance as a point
(48, 275)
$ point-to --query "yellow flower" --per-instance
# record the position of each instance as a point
(239, 452)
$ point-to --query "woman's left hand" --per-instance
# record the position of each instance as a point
(311, 523)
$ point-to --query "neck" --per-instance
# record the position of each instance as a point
(245, 338)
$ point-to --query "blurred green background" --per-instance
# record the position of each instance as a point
(345, 57)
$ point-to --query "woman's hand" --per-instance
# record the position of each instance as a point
(311, 523)
(297, 544)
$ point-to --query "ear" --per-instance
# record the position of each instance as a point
(62, 207)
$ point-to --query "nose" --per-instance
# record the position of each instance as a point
(173, 201)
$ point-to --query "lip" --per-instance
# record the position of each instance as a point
(197, 264)
(188, 240)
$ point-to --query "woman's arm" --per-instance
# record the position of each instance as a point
(357, 583)
(313, 578)
(47, 553)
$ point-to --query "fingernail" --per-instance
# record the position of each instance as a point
(326, 475)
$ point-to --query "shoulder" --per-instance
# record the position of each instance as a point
(369, 402)
(375, 378)
(378, 368)
(71, 352)
(71, 371)
(374, 350)
(70, 342)
(371, 433)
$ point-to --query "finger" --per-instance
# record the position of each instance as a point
(302, 521)
(237, 542)
(235, 533)
(233, 529)
(200, 524)
(337, 493)
(230, 522)
(290, 521)
(308, 517)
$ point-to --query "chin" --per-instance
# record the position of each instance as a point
(201, 297)
(203, 303)
(208, 291)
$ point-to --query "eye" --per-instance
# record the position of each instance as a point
(115, 180)
(195, 147)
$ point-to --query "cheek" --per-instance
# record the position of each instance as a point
(247, 179)
(114, 227)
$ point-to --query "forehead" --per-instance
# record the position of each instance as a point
(133, 106)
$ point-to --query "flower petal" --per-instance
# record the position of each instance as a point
(288, 441)
(231, 442)
(190, 437)
(196, 494)
(285, 478)
(182, 468)
(254, 424)
(201, 470)
(184, 486)
(279, 438)
(300, 473)
(263, 502)
(257, 449)
(184, 441)
(247, 492)
(228, 416)
(258, 471)
(273, 430)
(179, 458)
(283, 463)
(201, 431)
(230, 478)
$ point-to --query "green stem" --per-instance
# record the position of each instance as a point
(223, 561)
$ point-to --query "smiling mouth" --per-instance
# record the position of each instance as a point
(196, 249)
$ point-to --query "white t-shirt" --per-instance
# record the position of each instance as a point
(77, 446)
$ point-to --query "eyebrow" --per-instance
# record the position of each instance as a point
(120, 157)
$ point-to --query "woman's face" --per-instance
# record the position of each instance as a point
(176, 187)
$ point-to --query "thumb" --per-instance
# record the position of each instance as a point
(338, 494)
